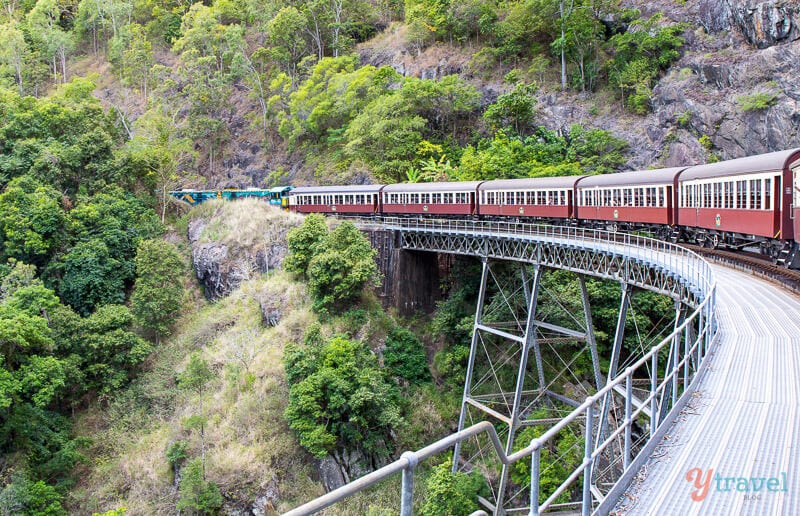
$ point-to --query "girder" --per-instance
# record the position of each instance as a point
(584, 259)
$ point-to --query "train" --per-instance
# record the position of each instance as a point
(739, 203)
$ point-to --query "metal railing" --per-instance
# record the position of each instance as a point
(681, 374)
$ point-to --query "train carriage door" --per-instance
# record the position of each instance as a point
(776, 204)
(669, 204)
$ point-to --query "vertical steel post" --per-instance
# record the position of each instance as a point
(528, 342)
(612, 368)
(686, 339)
(407, 493)
(653, 385)
(626, 458)
(587, 310)
(586, 506)
(535, 464)
(471, 364)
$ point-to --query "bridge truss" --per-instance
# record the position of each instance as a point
(618, 418)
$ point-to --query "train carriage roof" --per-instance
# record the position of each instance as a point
(659, 176)
(771, 162)
(530, 183)
(449, 186)
(343, 190)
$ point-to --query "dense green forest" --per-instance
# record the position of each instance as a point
(90, 291)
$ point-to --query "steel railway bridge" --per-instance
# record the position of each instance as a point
(636, 424)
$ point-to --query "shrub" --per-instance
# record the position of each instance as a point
(197, 493)
(452, 493)
(756, 101)
(405, 357)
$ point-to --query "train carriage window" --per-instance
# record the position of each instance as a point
(728, 194)
(741, 194)
(768, 194)
(425, 198)
(755, 193)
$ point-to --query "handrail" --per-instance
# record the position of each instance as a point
(703, 315)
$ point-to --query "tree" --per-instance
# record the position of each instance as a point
(13, 49)
(31, 221)
(163, 151)
(340, 399)
(640, 54)
(44, 21)
(137, 59)
(284, 35)
(404, 357)
(337, 275)
(195, 378)
(515, 109)
(26, 497)
(452, 493)
(66, 140)
(208, 52)
(110, 349)
(158, 291)
(104, 233)
(92, 276)
(197, 493)
(304, 243)
(385, 135)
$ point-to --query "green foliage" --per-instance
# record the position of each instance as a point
(176, 453)
(385, 136)
(405, 358)
(66, 140)
(514, 109)
(198, 495)
(342, 267)
(756, 101)
(639, 55)
(544, 153)
(110, 349)
(31, 220)
(453, 493)
(559, 458)
(27, 498)
(105, 232)
(341, 399)
(705, 141)
(304, 243)
(196, 375)
(158, 292)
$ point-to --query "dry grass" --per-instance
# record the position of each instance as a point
(246, 223)
(250, 449)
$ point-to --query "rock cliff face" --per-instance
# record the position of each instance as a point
(234, 242)
(766, 23)
(734, 49)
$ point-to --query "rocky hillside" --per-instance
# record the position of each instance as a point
(735, 51)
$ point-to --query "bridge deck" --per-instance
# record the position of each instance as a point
(744, 421)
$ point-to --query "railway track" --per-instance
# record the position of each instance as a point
(751, 262)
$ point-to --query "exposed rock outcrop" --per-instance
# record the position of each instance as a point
(235, 243)
(766, 23)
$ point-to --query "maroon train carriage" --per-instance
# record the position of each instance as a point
(445, 199)
(357, 199)
(543, 197)
(742, 201)
(644, 198)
